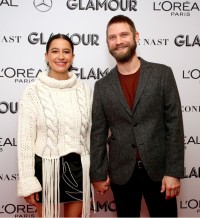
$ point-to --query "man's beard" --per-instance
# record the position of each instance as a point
(124, 57)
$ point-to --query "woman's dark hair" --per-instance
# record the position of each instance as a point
(60, 36)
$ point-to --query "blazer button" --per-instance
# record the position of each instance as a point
(134, 124)
(133, 146)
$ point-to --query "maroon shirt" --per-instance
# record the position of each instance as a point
(129, 85)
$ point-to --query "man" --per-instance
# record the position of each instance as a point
(138, 106)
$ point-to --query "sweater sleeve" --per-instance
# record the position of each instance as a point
(28, 183)
(90, 119)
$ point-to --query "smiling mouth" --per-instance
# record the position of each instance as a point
(60, 63)
(120, 48)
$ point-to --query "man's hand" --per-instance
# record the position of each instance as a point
(102, 186)
(171, 185)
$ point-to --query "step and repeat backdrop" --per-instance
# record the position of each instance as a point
(169, 34)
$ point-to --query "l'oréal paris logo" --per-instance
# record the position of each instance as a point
(193, 204)
(10, 3)
(193, 74)
(191, 140)
(7, 143)
(17, 210)
(20, 75)
(176, 8)
(96, 5)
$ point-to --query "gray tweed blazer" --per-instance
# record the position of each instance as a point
(155, 126)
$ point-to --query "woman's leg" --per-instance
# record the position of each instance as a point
(73, 209)
(39, 210)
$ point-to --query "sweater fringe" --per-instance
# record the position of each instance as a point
(51, 190)
(85, 160)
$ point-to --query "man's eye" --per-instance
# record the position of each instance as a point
(124, 34)
(112, 37)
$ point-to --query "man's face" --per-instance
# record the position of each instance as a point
(121, 42)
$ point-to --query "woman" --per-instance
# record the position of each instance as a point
(53, 137)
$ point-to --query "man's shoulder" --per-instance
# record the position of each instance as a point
(154, 65)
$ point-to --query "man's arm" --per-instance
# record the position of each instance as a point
(102, 186)
(171, 186)
(99, 134)
(174, 165)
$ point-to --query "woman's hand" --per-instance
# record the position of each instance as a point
(32, 199)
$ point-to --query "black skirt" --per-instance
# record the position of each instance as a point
(71, 178)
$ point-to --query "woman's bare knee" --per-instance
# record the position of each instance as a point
(73, 209)
(39, 210)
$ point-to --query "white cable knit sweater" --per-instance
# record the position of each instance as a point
(54, 120)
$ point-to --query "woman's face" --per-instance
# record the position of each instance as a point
(59, 56)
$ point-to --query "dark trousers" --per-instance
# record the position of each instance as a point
(128, 196)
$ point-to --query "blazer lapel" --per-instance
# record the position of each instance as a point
(114, 80)
(144, 75)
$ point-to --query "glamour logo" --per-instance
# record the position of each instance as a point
(106, 206)
(6, 107)
(191, 74)
(177, 8)
(11, 3)
(20, 75)
(192, 173)
(192, 204)
(43, 5)
(77, 38)
(188, 41)
(95, 5)
(92, 73)
(190, 108)
(8, 177)
(18, 210)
